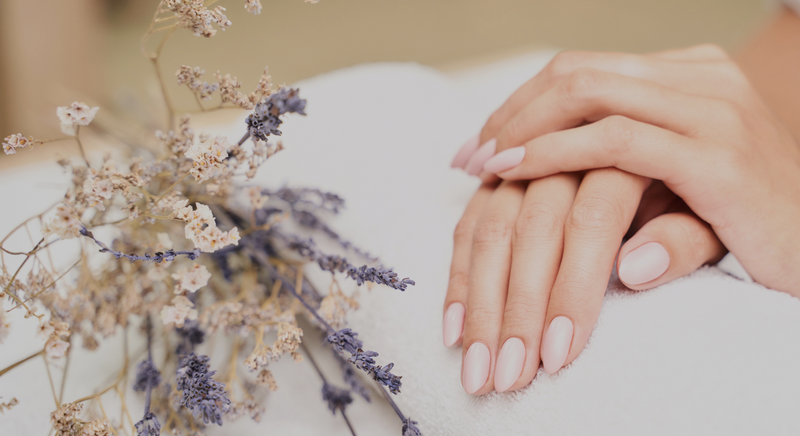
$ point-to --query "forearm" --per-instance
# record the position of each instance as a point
(772, 62)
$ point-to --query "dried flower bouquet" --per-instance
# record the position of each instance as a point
(190, 257)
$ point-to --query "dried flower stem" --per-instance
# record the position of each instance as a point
(16, 364)
(80, 145)
(168, 190)
(13, 277)
(50, 379)
(324, 381)
(103, 410)
(64, 374)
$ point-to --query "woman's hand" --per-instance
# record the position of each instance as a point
(688, 118)
(531, 262)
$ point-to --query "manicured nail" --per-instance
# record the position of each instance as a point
(555, 346)
(465, 152)
(644, 264)
(475, 164)
(453, 324)
(505, 160)
(476, 368)
(509, 364)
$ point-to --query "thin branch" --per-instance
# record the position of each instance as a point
(16, 364)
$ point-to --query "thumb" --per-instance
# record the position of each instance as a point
(669, 246)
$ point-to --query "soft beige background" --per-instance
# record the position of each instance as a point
(54, 52)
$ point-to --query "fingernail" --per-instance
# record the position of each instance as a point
(505, 160)
(644, 264)
(465, 152)
(475, 164)
(453, 324)
(509, 364)
(476, 368)
(555, 347)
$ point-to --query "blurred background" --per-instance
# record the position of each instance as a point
(54, 51)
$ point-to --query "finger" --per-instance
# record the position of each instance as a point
(456, 299)
(536, 253)
(604, 207)
(668, 247)
(488, 283)
(695, 53)
(615, 141)
(588, 95)
(656, 200)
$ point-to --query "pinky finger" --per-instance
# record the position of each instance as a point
(666, 248)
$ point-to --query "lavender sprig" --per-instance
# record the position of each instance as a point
(265, 119)
(336, 263)
(314, 199)
(191, 335)
(347, 340)
(158, 257)
(203, 395)
(351, 378)
(148, 376)
(337, 398)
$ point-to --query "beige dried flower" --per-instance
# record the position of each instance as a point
(192, 78)
(208, 157)
(5, 325)
(12, 142)
(257, 200)
(193, 15)
(56, 348)
(65, 224)
(76, 114)
(253, 6)
(265, 378)
(201, 227)
(192, 279)
(98, 427)
(179, 312)
(229, 91)
(65, 418)
(248, 407)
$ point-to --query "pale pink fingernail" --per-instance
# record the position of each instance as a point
(476, 368)
(453, 324)
(509, 364)
(555, 346)
(465, 152)
(486, 151)
(644, 264)
(505, 160)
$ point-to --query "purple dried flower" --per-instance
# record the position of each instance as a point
(191, 335)
(201, 393)
(148, 426)
(410, 428)
(308, 198)
(337, 398)
(146, 373)
(351, 378)
(265, 119)
(158, 257)
(345, 340)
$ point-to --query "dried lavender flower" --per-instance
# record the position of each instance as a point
(203, 395)
(148, 426)
(265, 119)
(146, 373)
(351, 378)
(410, 428)
(191, 335)
(158, 257)
(337, 398)
(347, 340)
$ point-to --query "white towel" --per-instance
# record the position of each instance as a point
(707, 354)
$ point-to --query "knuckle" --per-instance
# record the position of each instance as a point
(563, 63)
(594, 213)
(537, 219)
(491, 231)
(482, 315)
(619, 132)
(511, 134)
(580, 84)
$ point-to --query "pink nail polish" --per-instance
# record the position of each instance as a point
(475, 164)
(465, 152)
(505, 160)
(509, 364)
(476, 368)
(644, 264)
(453, 324)
(556, 343)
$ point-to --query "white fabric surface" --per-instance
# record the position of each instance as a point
(707, 354)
